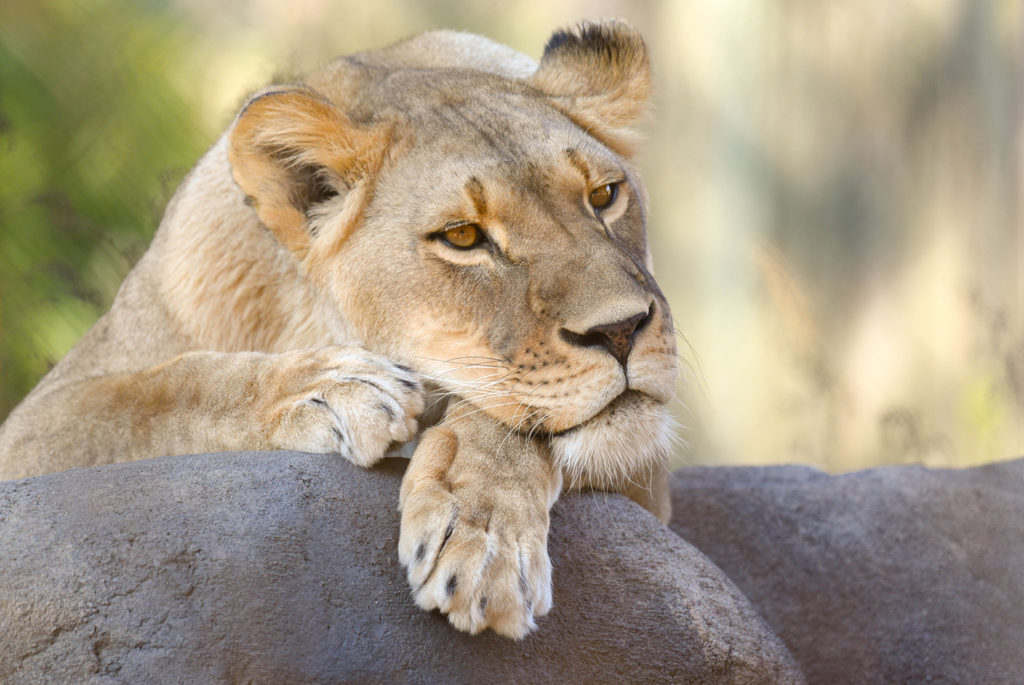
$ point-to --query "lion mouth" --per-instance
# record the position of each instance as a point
(626, 398)
(626, 437)
(629, 436)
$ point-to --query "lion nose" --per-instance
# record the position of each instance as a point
(616, 337)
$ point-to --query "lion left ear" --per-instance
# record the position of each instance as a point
(291, 150)
(599, 74)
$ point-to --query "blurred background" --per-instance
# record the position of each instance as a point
(835, 215)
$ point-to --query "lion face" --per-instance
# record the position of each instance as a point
(487, 232)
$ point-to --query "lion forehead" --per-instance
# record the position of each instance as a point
(473, 108)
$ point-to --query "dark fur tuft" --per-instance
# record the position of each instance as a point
(599, 74)
(609, 41)
(557, 40)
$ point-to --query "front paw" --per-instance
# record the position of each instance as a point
(345, 400)
(475, 504)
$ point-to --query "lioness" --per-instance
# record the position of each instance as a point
(441, 225)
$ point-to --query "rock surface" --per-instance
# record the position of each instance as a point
(894, 575)
(282, 567)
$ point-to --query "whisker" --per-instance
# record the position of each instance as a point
(453, 360)
(696, 367)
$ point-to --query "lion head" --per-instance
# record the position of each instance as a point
(476, 216)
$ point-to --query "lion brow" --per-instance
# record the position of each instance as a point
(475, 190)
(576, 159)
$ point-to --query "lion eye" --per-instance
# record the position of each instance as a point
(463, 236)
(602, 196)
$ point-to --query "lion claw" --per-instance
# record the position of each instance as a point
(475, 552)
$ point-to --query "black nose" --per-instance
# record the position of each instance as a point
(616, 337)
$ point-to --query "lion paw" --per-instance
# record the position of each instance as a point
(474, 535)
(345, 400)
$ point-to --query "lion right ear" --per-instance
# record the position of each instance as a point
(291, 150)
(599, 74)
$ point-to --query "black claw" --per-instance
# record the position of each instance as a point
(421, 549)
(453, 582)
(483, 605)
(448, 532)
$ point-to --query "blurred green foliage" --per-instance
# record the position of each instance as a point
(89, 124)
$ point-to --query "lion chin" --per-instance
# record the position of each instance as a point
(623, 444)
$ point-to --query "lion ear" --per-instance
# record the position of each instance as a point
(291, 150)
(599, 74)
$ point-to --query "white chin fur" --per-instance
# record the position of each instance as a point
(618, 446)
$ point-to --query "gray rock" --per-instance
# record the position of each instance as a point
(894, 575)
(282, 568)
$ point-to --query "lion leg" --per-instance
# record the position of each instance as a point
(475, 505)
(336, 399)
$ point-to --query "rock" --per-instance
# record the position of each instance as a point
(282, 567)
(894, 575)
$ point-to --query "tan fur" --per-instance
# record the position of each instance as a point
(298, 295)
(479, 554)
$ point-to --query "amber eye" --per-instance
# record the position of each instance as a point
(602, 196)
(463, 236)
